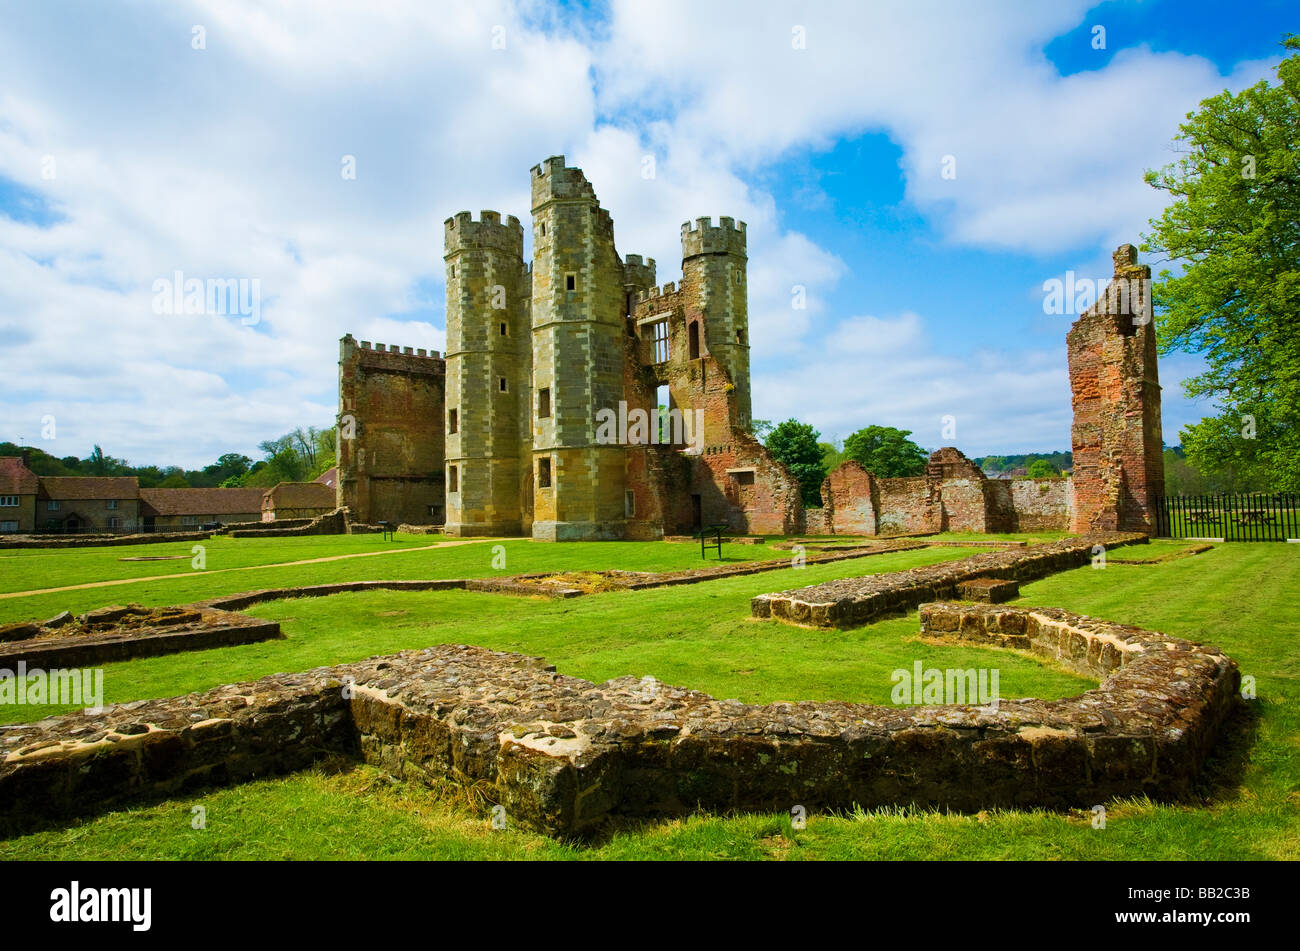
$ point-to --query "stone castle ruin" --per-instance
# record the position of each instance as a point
(1119, 468)
(542, 418)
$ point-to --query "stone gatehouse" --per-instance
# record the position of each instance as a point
(580, 400)
(543, 416)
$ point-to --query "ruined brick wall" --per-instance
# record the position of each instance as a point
(1001, 505)
(1118, 465)
(954, 495)
(1040, 505)
(739, 484)
(692, 339)
(391, 400)
(960, 488)
(848, 502)
(489, 377)
(907, 506)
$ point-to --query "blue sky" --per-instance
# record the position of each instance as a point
(146, 138)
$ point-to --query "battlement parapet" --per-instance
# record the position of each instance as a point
(394, 355)
(703, 238)
(651, 293)
(637, 273)
(553, 181)
(462, 232)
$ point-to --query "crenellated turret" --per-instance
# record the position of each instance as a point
(488, 358)
(714, 264)
(579, 304)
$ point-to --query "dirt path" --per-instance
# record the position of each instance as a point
(219, 571)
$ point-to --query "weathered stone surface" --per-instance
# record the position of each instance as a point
(19, 630)
(953, 495)
(1115, 388)
(562, 754)
(993, 590)
(112, 613)
(851, 601)
(129, 633)
(391, 400)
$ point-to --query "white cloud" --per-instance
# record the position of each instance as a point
(225, 162)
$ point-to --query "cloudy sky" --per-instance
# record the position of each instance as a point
(142, 139)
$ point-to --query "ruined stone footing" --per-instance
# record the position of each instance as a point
(853, 601)
(564, 755)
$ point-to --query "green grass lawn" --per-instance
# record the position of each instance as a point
(232, 564)
(1239, 597)
(699, 636)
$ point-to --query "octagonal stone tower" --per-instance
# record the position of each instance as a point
(488, 376)
(578, 309)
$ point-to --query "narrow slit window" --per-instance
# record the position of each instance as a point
(453, 479)
(501, 384)
(453, 421)
(543, 473)
(570, 282)
(544, 402)
(503, 330)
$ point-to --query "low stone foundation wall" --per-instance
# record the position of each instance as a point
(334, 523)
(248, 529)
(853, 601)
(1152, 722)
(562, 755)
(212, 629)
(97, 541)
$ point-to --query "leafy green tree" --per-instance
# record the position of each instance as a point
(761, 429)
(832, 455)
(795, 444)
(42, 463)
(1042, 469)
(98, 464)
(230, 465)
(886, 452)
(1234, 227)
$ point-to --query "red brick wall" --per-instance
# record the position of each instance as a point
(849, 501)
(1115, 389)
(393, 468)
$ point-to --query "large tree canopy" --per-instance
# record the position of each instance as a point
(795, 444)
(886, 452)
(1234, 227)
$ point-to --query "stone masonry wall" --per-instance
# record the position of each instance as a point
(1116, 438)
(953, 496)
(1040, 505)
(562, 755)
(854, 601)
(392, 400)
(849, 501)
